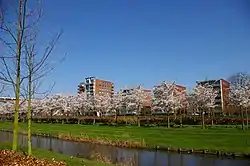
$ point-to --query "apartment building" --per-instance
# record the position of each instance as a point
(81, 88)
(223, 87)
(93, 86)
(179, 89)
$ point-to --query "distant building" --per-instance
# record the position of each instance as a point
(223, 87)
(148, 102)
(179, 89)
(93, 86)
(5, 99)
(81, 88)
(148, 99)
(182, 90)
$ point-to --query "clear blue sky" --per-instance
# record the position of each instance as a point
(133, 42)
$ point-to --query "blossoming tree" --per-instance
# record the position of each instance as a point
(163, 97)
(239, 96)
(134, 99)
(203, 97)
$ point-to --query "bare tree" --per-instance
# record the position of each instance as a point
(37, 67)
(12, 35)
(239, 78)
(1, 88)
(29, 67)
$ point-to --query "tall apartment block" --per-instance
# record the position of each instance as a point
(223, 87)
(93, 87)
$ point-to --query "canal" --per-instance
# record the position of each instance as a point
(123, 156)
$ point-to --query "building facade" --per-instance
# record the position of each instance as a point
(93, 86)
(222, 87)
(181, 91)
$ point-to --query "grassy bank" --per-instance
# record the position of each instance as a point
(48, 155)
(223, 139)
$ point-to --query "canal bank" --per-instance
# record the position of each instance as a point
(122, 156)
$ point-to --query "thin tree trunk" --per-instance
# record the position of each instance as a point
(194, 114)
(116, 116)
(203, 120)
(212, 117)
(138, 117)
(242, 119)
(168, 121)
(29, 114)
(18, 73)
(246, 118)
(181, 120)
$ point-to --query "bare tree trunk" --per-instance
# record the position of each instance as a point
(29, 115)
(138, 117)
(242, 119)
(246, 118)
(168, 121)
(203, 120)
(194, 113)
(212, 117)
(116, 116)
(181, 119)
(21, 19)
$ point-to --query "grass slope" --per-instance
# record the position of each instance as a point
(44, 154)
(225, 139)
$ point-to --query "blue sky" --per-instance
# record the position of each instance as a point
(133, 42)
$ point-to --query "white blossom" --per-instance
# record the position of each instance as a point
(240, 93)
(134, 99)
(203, 97)
(163, 96)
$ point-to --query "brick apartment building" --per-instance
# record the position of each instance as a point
(181, 90)
(223, 87)
(93, 86)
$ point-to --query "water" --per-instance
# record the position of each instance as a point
(131, 157)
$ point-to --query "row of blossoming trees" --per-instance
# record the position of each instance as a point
(165, 97)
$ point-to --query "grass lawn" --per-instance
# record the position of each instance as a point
(225, 139)
(44, 154)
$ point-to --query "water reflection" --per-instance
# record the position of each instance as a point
(130, 157)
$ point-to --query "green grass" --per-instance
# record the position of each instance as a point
(49, 155)
(224, 139)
